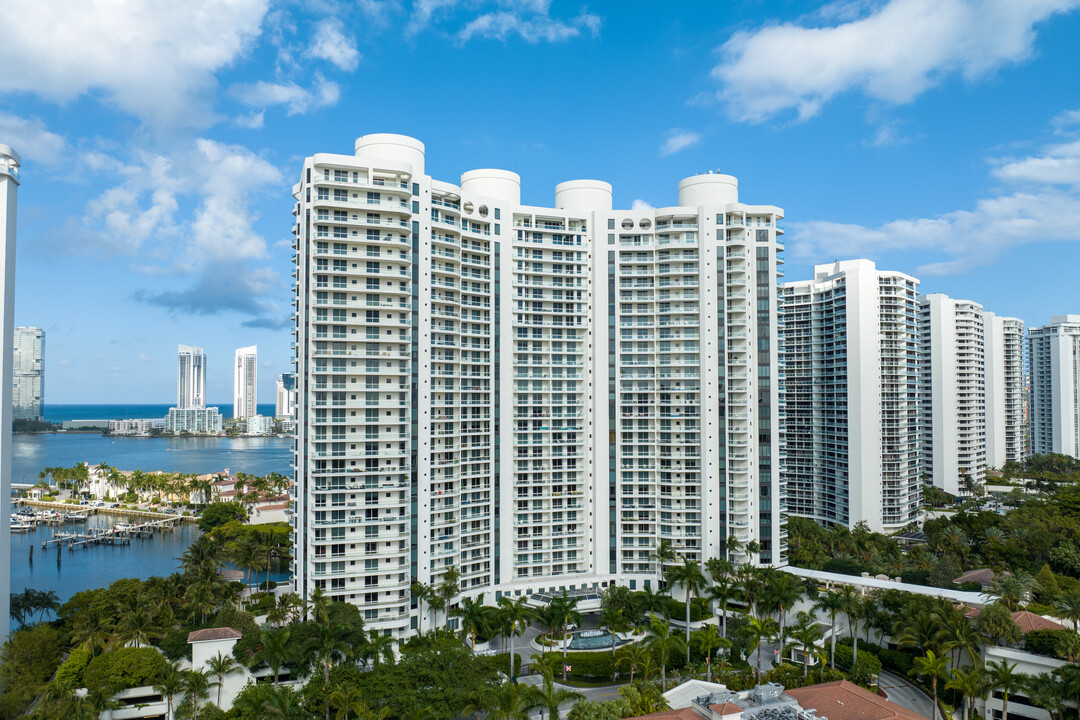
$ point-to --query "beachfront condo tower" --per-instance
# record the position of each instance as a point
(245, 382)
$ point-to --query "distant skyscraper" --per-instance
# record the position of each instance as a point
(245, 382)
(28, 390)
(851, 375)
(953, 390)
(285, 396)
(1054, 361)
(9, 187)
(1003, 344)
(191, 378)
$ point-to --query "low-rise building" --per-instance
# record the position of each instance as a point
(193, 420)
(144, 426)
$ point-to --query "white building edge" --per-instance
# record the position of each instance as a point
(454, 351)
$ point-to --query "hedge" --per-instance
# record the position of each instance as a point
(499, 663)
(1044, 642)
(898, 661)
(70, 672)
(124, 668)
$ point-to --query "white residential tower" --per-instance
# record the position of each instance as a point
(245, 382)
(1003, 345)
(1054, 363)
(190, 377)
(28, 389)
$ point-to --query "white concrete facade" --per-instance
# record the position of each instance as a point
(1054, 364)
(195, 420)
(9, 192)
(190, 377)
(28, 371)
(851, 366)
(245, 382)
(285, 396)
(1003, 344)
(466, 397)
(953, 390)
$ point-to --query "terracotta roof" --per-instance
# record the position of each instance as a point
(681, 714)
(842, 700)
(213, 634)
(727, 708)
(983, 576)
(283, 506)
(1029, 621)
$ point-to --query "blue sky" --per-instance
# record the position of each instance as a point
(161, 140)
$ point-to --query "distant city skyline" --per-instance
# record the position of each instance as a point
(157, 172)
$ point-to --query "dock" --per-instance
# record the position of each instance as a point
(91, 510)
(112, 536)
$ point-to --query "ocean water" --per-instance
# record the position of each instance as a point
(60, 413)
(97, 566)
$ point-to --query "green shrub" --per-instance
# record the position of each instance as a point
(899, 661)
(1044, 642)
(124, 668)
(175, 644)
(70, 672)
(218, 513)
(499, 663)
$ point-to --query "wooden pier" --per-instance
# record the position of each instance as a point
(92, 510)
(111, 536)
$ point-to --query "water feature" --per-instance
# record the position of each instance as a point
(593, 640)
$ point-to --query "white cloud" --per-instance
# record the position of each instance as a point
(66, 362)
(151, 59)
(423, 11)
(899, 50)
(143, 357)
(1047, 208)
(331, 44)
(252, 120)
(31, 139)
(888, 133)
(678, 139)
(641, 205)
(501, 25)
(1067, 119)
(297, 100)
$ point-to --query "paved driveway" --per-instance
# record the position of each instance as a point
(904, 693)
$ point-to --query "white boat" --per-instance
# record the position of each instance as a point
(125, 527)
(75, 517)
(21, 527)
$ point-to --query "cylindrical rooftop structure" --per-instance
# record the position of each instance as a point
(388, 146)
(708, 189)
(501, 185)
(583, 195)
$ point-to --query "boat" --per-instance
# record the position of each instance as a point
(18, 526)
(75, 517)
(125, 527)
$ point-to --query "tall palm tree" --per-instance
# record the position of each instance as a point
(420, 593)
(347, 702)
(1048, 692)
(758, 630)
(274, 650)
(197, 686)
(448, 589)
(663, 643)
(831, 602)
(91, 631)
(1013, 591)
(783, 592)
(1002, 676)
(853, 603)
(961, 636)
(169, 683)
(971, 685)
(649, 602)
(933, 667)
(380, 647)
(221, 666)
(514, 616)
(708, 640)
(723, 591)
(807, 632)
(692, 580)
(475, 617)
(506, 703)
(613, 620)
(635, 656)
(548, 697)
(662, 556)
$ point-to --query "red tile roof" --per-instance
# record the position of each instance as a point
(1029, 621)
(727, 708)
(842, 700)
(681, 714)
(213, 634)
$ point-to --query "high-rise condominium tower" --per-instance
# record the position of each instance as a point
(534, 396)
(1003, 344)
(1054, 363)
(851, 367)
(245, 382)
(191, 378)
(9, 187)
(28, 389)
(953, 391)
(285, 396)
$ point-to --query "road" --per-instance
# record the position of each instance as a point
(904, 693)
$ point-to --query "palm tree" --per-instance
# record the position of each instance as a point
(330, 646)
(663, 555)
(758, 630)
(961, 636)
(92, 633)
(548, 697)
(723, 591)
(659, 639)
(169, 683)
(1002, 676)
(46, 601)
(708, 640)
(420, 593)
(1013, 591)
(920, 630)
(635, 656)
(221, 666)
(807, 632)
(275, 650)
(853, 608)
(448, 589)
(284, 704)
(1067, 607)
(692, 580)
(648, 602)
(197, 687)
(475, 617)
(783, 592)
(379, 647)
(506, 703)
(514, 616)
(347, 702)
(613, 620)
(930, 666)
(971, 685)
(1048, 692)
(567, 613)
